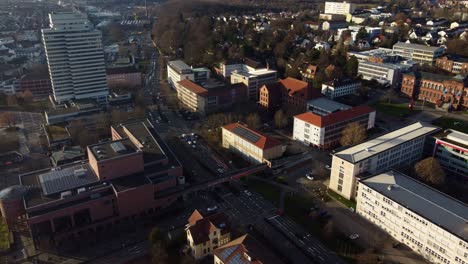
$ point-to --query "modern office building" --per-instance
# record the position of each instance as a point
(453, 63)
(338, 88)
(178, 70)
(442, 90)
(38, 84)
(125, 77)
(254, 80)
(417, 52)
(403, 146)
(429, 222)
(383, 72)
(251, 144)
(75, 58)
(451, 150)
(334, 25)
(245, 250)
(323, 106)
(325, 131)
(206, 233)
(339, 8)
(130, 177)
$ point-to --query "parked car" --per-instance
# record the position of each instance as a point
(309, 176)
(248, 193)
(353, 236)
(327, 167)
(212, 208)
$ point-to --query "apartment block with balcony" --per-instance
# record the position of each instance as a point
(403, 146)
(251, 144)
(429, 222)
(326, 131)
(417, 52)
(206, 233)
(451, 150)
(124, 179)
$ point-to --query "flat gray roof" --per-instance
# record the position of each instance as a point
(387, 141)
(179, 65)
(436, 207)
(327, 105)
(404, 45)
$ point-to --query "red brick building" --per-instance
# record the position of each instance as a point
(437, 89)
(124, 76)
(38, 83)
(270, 96)
(454, 64)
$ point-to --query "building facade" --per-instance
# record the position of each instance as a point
(326, 131)
(453, 64)
(75, 58)
(429, 222)
(437, 89)
(270, 96)
(251, 144)
(383, 72)
(418, 53)
(339, 8)
(451, 150)
(206, 233)
(403, 146)
(39, 85)
(254, 80)
(123, 180)
(338, 88)
(178, 70)
(124, 77)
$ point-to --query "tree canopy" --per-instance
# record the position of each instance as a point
(430, 171)
(353, 134)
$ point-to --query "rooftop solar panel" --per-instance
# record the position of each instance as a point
(247, 134)
(65, 179)
(228, 251)
(118, 147)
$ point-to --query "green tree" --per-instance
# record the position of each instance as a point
(280, 119)
(253, 120)
(351, 66)
(429, 170)
(353, 134)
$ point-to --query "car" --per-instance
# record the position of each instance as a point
(221, 171)
(189, 142)
(327, 167)
(247, 193)
(396, 244)
(309, 176)
(212, 208)
(354, 236)
(194, 142)
(194, 147)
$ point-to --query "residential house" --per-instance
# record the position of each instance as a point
(338, 88)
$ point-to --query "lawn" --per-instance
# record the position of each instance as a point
(57, 133)
(270, 192)
(4, 235)
(397, 110)
(339, 198)
(451, 123)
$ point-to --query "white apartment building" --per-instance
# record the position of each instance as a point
(418, 53)
(178, 70)
(339, 8)
(254, 80)
(400, 147)
(325, 131)
(251, 144)
(451, 150)
(75, 58)
(431, 223)
(338, 88)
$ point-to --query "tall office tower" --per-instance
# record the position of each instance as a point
(75, 58)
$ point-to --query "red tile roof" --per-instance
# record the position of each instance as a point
(193, 87)
(294, 86)
(333, 118)
(201, 227)
(264, 142)
(237, 251)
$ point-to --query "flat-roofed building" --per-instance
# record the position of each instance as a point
(124, 77)
(326, 131)
(339, 8)
(123, 180)
(417, 52)
(323, 106)
(451, 150)
(383, 72)
(453, 63)
(400, 147)
(254, 80)
(338, 88)
(253, 145)
(178, 70)
(429, 222)
(37, 83)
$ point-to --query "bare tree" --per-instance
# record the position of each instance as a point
(429, 170)
(253, 120)
(159, 253)
(353, 134)
(280, 119)
(7, 119)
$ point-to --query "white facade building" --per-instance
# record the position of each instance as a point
(178, 70)
(338, 88)
(383, 72)
(426, 220)
(75, 58)
(254, 80)
(418, 53)
(400, 147)
(339, 8)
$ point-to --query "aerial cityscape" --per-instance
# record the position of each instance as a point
(234, 132)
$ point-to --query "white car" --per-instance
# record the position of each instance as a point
(327, 167)
(221, 171)
(353, 236)
(309, 176)
(248, 193)
(213, 208)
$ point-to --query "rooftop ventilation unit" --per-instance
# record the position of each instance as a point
(80, 173)
(66, 194)
(118, 147)
(81, 190)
